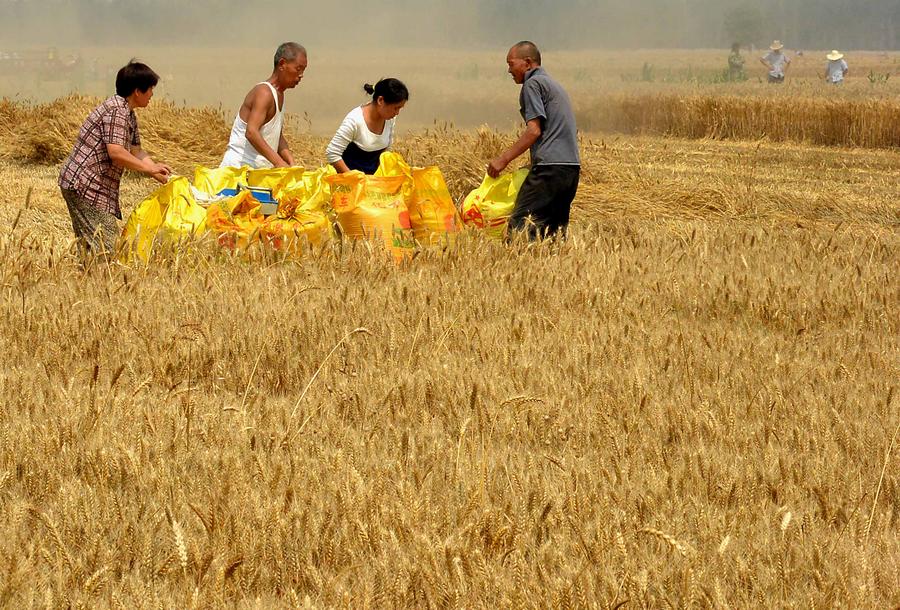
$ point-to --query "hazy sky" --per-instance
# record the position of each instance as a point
(451, 23)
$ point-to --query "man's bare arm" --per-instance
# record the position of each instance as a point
(284, 151)
(529, 136)
(255, 120)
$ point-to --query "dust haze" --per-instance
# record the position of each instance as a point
(453, 24)
(451, 54)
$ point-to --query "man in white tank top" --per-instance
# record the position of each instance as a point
(256, 136)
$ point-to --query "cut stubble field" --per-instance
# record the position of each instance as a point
(691, 402)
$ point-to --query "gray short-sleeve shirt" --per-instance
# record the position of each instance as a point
(543, 98)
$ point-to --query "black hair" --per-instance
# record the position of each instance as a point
(135, 76)
(392, 90)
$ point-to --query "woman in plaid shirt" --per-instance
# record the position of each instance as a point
(108, 143)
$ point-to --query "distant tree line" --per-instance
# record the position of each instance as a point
(846, 24)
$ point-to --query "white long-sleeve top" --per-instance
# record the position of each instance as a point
(354, 129)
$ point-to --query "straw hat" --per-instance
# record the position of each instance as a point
(776, 46)
(835, 55)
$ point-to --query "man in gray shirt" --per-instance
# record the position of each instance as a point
(545, 199)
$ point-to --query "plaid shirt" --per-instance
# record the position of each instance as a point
(89, 171)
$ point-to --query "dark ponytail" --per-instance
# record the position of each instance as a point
(392, 90)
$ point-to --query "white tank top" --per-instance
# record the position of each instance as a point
(240, 151)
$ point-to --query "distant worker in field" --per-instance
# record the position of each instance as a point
(777, 62)
(837, 68)
(256, 137)
(545, 199)
(107, 144)
(736, 64)
(368, 130)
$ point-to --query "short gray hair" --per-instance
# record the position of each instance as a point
(527, 49)
(288, 51)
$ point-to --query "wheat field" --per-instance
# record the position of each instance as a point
(692, 402)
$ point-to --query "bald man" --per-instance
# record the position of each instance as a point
(545, 199)
(256, 136)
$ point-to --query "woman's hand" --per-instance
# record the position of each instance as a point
(160, 177)
(158, 171)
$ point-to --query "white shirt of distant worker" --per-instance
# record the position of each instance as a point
(777, 62)
(836, 69)
(257, 138)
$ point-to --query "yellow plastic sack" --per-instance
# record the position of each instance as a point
(489, 206)
(307, 193)
(373, 207)
(212, 181)
(170, 214)
(275, 178)
(393, 164)
(432, 214)
(237, 224)
(292, 234)
(235, 221)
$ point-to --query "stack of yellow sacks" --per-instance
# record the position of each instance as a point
(237, 222)
(400, 206)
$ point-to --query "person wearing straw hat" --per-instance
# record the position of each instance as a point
(777, 62)
(837, 68)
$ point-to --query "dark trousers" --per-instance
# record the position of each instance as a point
(544, 201)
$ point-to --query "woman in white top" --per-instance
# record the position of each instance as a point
(367, 130)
